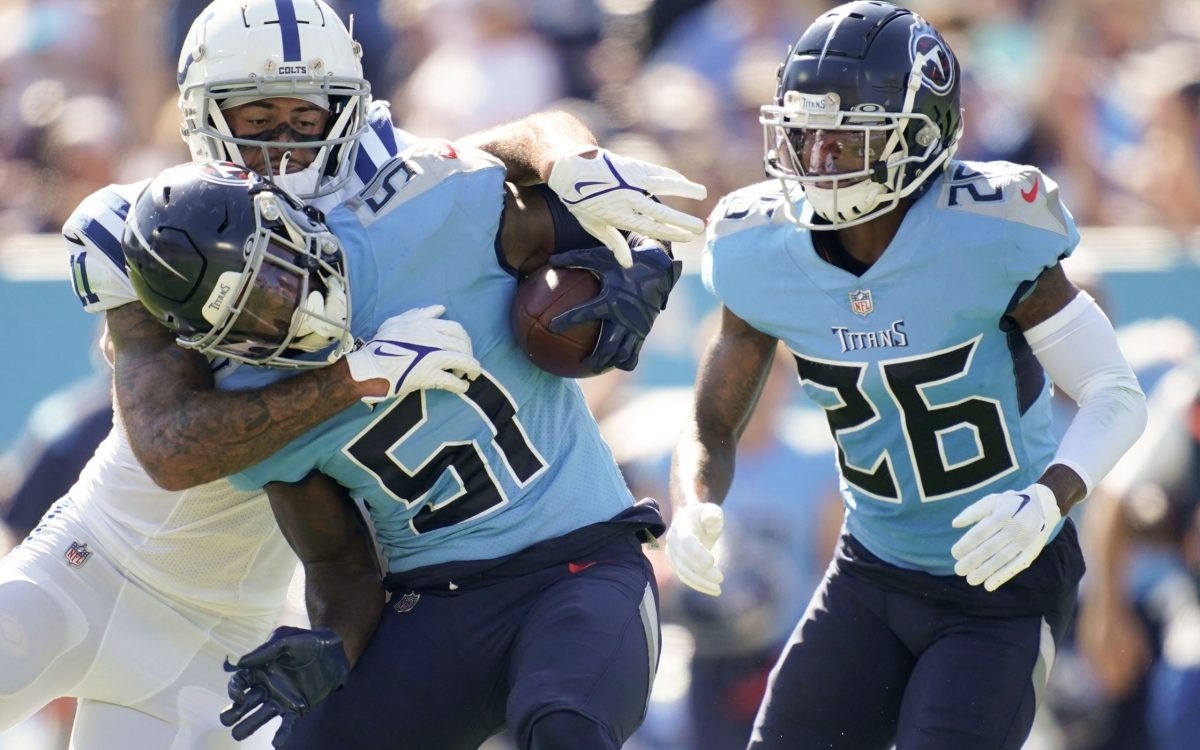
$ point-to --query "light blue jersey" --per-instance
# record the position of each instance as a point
(933, 405)
(516, 460)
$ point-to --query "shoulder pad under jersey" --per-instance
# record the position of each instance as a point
(420, 167)
(381, 141)
(748, 207)
(93, 239)
(1002, 190)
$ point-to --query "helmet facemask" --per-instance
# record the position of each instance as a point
(849, 164)
(291, 296)
(335, 149)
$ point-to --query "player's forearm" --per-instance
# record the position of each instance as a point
(1078, 349)
(184, 432)
(1066, 485)
(186, 437)
(530, 146)
(345, 597)
(702, 467)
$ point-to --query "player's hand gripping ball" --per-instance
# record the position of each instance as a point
(541, 297)
(557, 310)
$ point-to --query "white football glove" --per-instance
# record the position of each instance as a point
(416, 350)
(1010, 530)
(694, 530)
(608, 193)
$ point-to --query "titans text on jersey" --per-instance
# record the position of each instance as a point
(850, 339)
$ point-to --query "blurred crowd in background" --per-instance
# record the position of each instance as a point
(1103, 95)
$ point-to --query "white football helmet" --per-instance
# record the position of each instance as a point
(255, 49)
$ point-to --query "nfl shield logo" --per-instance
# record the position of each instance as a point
(860, 302)
(407, 602)
(77, 554)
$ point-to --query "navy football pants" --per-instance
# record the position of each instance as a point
(873, 664)
(459, 666)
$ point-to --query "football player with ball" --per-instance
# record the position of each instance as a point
(520, 595)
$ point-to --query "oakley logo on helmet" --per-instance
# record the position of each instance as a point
(930, 55)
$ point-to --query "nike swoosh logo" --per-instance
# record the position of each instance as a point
(574, 568)
(579, 186)
(1031, 195)
(1024, 502)
(382, 348)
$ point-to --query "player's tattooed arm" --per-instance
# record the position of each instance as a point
(730, 378)
(530, 146)
(182, 431)
(343, 587)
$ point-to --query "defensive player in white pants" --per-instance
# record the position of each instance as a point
(129, 596)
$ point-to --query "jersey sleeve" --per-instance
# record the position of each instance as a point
(256, 477)
(93, 239)
(1040, 231)
(381, 141)
(290, 464)
(734, 219)
(1046, 231)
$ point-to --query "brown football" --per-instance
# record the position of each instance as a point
(541, 296)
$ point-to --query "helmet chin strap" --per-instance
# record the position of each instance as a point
(323, 318)
(302, 182)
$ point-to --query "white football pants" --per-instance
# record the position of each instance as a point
(146, 668)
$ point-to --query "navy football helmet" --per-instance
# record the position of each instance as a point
(866, 112)
(237, 267)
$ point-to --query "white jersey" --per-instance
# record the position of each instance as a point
(211, 546)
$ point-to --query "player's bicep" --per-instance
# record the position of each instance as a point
(527, 231)
(1050, 293)
(321, 522)
(150, 372)
(730, 378)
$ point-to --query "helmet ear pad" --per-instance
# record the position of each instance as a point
(175, 242)
(186, 258)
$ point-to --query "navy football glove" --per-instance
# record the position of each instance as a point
(289, 674)
(629, 300)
